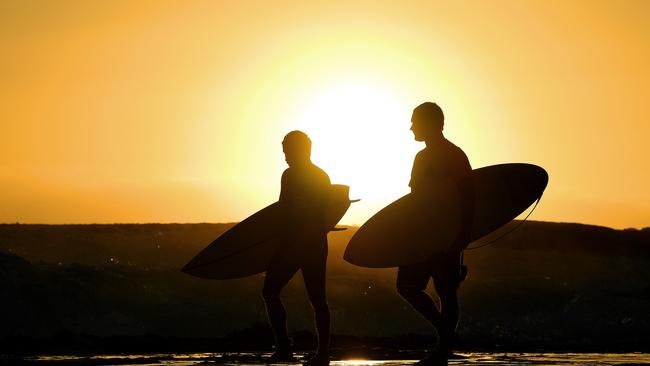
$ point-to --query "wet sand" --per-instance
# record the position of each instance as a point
(203, 359)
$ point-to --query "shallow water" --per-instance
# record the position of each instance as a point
(476, 358)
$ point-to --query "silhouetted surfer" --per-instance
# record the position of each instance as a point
(436, 164)
(303, 199)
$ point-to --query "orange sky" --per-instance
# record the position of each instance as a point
(162, 111)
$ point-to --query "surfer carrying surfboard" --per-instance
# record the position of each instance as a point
(303, 200)
(439, 163)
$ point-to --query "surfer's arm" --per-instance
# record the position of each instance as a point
(465, 185)
(283, 187)
(466, 188)
(284, 200)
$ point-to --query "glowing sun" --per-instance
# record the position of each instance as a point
(361, 137)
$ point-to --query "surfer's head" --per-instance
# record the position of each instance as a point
(427, 122)
(297, 148)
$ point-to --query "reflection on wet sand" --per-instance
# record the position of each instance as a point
(257, 358)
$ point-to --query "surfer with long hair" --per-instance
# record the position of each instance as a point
(438, 163)
(304, 196)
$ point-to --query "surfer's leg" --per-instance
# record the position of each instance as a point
(277, 276)
(446, 281)
(411, 284)
(313, 273)
(449, 314)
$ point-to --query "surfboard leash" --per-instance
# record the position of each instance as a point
(509, 231)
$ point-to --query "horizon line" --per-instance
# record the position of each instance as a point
(17, 223)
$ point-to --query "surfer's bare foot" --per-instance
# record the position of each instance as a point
(456, 356)
(320, 359)
(433, 359)
(281, 355)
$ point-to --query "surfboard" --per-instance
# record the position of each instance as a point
(246, 248)
(417, 226)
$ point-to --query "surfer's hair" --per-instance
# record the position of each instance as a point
(431, 113)
(298, 139)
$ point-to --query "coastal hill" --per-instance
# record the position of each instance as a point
(545, 285)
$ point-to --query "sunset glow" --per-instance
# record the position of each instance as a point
(170, 111)
(358, 142)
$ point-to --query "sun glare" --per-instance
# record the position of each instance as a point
(359, 362)
(361, 137)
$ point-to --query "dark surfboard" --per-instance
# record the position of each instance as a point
(417, 226)
(246, 248)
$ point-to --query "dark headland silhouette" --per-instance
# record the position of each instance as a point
(546, 286)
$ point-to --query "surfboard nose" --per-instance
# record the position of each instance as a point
(522, 180)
